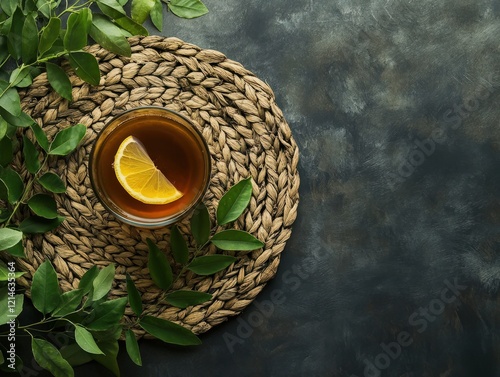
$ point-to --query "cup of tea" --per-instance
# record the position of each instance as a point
(150, 166)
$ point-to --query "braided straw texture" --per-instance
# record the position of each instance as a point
(247, 136)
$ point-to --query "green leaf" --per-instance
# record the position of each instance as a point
(85, 66)
(8, 272)
(77, 30)
(11, 306)
(45, 292)
(109, 36)
(234, 202)
(43, 205)
(21, 77)
(187, 8)
(59, 80)
(114, 10)
(74, 355)
(134, 297)
(159, 268)
(69, 302)
(9, 100)
(9, 6)
(86, 341)
(50, 34)
(21, 120)
(49, 358)
(40, 136)
(3, 128)
(14, 37)
(200, 224)
(103, 282)
(30, 155)
(233, 239)
(210, 264)
(17, 250)
(39, 225)
(13, 183)
(87, 281)
(6, 151)
(109, 359)
(183, 299)
(52, 182)
(67, 140)
(133, 348)
(9, 237)
(47, 6)
(108, 314)
(29, 43)
(141, 9)
(179, 246)
(168, 331)
(157, 15)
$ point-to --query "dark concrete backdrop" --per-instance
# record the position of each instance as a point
(393, 268)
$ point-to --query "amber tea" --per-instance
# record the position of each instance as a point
(176, 148)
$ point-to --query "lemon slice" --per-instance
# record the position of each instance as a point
(139, 176)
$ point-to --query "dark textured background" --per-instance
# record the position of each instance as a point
(394, 105)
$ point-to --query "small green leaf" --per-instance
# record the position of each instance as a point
(30, 155)
(59, 80)
(43, 205)
(109, 36)
(50, 34)
(183, 299)
(9, 6)
(159, 268)
(108, 314)
(7, 272)
(67, 140)
(234, 202)
(156, 15)
(168, 332)
(11, 306)
(49, 358)
(210, 264)
(133, 348)
(103, 282)
(87, 281)
(109, 359)
(21, 120)
(39, 225)
(86, 341)
(200, 224)
(9, 237)
(85, 66)
(29, 42)
(40, 136)
(17, 250)
(233, 239)
(21, 77)
(6, 151)
(77, 30)
(134, 297)
(187, 8)
(69, 302)
(74, 355)
(9, 101)
(52, 182)
(45, 292)
(114, 10)
(179, 246)
(13, 183)
(141, 9)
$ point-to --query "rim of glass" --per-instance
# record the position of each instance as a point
(155, 222)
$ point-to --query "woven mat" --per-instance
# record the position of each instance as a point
(247, 136)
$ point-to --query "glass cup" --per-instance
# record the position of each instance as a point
(176, 147)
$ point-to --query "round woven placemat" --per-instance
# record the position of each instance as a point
(247, 136)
